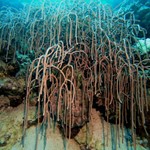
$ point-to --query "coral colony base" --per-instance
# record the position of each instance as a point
(81, 51)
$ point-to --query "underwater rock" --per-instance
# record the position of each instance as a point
(4, 140)
(51, 140)
(3, 67)
(11, 120)
(144, 136)
(13, 89)
(4, 101)
(12, 68)
(90, 134)
(11, 133)
(6, 54)
(15, 67)
(141, 10)
(99, 135)
(8, 69)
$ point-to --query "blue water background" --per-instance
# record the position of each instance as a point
(20, 3)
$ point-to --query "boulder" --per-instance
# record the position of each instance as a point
(99, 135)
(12, 89)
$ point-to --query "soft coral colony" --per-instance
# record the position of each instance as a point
(81, 51)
